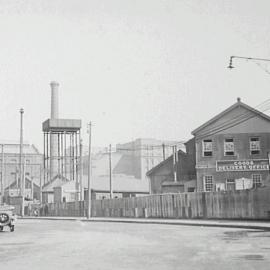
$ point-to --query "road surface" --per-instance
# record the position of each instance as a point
(66, 245)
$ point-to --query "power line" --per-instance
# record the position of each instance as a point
(239, 117)
(230, 124)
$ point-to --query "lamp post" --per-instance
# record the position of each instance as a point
(230, 66)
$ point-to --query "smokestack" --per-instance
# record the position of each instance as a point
(54, 100)
(54, 170)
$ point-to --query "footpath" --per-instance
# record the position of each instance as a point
(241, 224)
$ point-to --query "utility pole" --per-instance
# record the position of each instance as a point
(21, 160)
(81, 172)
(2, 176)
(89, 172)
(176, 162)
(23, 185)
(40, 184)
(163, 151)
(110, 169)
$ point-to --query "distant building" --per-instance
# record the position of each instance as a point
(31, 191)
(100, 188)
(162, 179)
(33, 163)
(124, 183)
(141, 155)
(232, 150)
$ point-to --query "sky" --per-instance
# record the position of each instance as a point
(135, 68)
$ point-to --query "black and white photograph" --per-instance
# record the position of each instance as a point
(135, 134)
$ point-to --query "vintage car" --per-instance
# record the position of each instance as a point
(7, 217)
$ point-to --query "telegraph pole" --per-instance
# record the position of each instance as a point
(110, 168)
(174, 163)
(23, 185)
(40, 184)
(163, 151)
(81, 172)
(21, 160)
(89, 172)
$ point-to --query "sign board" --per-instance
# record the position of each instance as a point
(242, 165)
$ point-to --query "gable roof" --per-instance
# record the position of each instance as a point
(28, 182)
(167, 160)
(56, 182)
(220, 115)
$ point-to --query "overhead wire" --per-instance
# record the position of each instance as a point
(242, 115)
(238, 120)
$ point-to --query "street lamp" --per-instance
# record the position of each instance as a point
(230, 66)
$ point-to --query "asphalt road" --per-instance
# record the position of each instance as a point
(66, 245)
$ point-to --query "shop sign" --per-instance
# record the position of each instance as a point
(242, 165)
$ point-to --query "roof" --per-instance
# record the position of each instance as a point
(235, 105)
(27, 183)
(14, 148)
(56, 182)
(164, 162)
(120, 184)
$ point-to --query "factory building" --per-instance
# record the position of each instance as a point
(62, 151)
(176, 173)
(142, 154)
(232, 150)
(10, 163)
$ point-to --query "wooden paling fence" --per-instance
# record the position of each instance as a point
(246, 204)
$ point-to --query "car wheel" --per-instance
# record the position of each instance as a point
(12, 228)
(1, 228)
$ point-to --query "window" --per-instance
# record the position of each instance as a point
(207, 148)
(230, 184)
(229, 147)
(208, 183)
(257, 180)
(254, 145)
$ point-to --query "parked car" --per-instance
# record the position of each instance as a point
(7, 217)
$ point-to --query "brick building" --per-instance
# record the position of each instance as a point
(232, 149)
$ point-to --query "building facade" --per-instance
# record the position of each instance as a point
(232, 150)
(144, 154)
(10, 162)
(175, 175)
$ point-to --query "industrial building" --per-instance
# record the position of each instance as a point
(142, 154)
(175, 174)
(229, 152)
(10, 163)
(60, 164)
(232, 150)
(124, 182)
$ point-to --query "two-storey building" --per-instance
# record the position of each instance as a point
(232, 149)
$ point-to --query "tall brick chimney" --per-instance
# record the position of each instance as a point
(54, 170)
